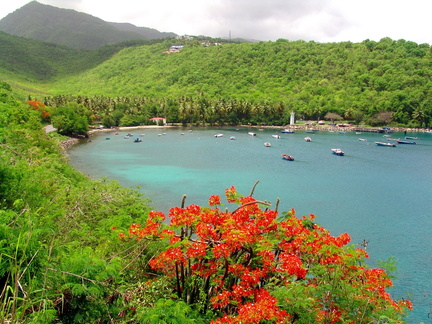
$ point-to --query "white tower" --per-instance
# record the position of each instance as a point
(292, 118)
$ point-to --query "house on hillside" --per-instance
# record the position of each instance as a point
(159, 120)
(174, 49)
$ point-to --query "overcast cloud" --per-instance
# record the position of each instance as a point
(317, 20)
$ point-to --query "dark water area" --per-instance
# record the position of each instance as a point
(374, 193)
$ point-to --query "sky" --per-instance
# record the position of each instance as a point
(310, 20)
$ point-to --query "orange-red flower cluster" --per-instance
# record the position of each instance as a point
(238, 253)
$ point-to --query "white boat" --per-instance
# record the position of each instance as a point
(362, 139)
(232, 137)
(308, 139)
(287, 131)
(338, 151)
(219, 135)
(251, 133)
(385, 144)
(267, 144)
(276, 136)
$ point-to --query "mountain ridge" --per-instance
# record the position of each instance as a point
(72, 28)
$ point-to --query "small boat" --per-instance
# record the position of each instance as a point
(337, 151)
(137, 140)
(276, 136)
(287, 157)
(308, 139)
(362, 139)
(232, 137)
(385, 144)
(218, 135)
(342, 132)
(287, 131)
(107, 138)
(358, 133)
(412, 137)
(251, 133)
(405, 142)
(267, 144)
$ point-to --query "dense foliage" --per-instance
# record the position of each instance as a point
(373, 82)
(59, 260)
(377, 83)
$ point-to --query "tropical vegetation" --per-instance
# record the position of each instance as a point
(81, 250)
(374, 83)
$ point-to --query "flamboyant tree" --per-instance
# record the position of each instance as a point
(251, 265)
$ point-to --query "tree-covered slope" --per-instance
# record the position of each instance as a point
(71, 28)
(42, 61)
(307, 77)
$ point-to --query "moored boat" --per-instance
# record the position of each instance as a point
(405, 142)
(385, 144)
(287, 157)
(308, 139)
(267, 144)
(218, 135)
(276, 136)
(338, 151)
(287, 131)
(412, 137)
(232, 137)
(251, 133)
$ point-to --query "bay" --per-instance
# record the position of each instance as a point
(378, 194)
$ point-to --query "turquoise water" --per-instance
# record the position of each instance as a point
(381, 194)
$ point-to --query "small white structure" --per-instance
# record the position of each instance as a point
(292, 118)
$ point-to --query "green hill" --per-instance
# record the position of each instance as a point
(350, 79)
(379, 82)
(71, 28)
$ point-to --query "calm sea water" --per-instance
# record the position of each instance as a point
(380, 194)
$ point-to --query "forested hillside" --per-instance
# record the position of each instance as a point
(41, 62)
(375, 82)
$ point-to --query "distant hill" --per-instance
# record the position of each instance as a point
(71, 28)
(41, 61)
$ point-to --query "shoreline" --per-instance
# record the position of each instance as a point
(71, 141)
